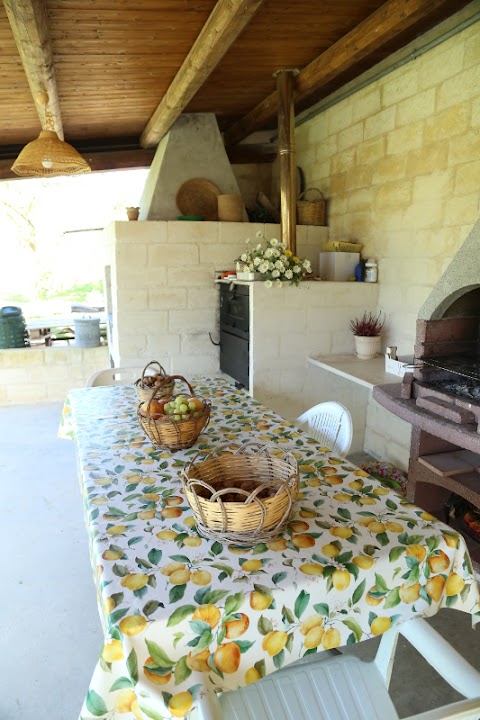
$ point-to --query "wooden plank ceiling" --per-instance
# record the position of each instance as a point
(114, 61)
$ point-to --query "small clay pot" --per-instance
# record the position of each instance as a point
(132, 213)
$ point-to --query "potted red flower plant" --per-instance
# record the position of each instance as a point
(367, 333)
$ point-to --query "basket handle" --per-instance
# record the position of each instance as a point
(166, 380)
(161, 370)
(303, 194)
(258, 448)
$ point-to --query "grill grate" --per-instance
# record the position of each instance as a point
(459, 364)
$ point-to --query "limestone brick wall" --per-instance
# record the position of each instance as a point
(399, 162)
(289, 324)
(387, 437)
(164, 301)
(46, 374)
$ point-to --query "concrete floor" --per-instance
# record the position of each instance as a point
(50, 633)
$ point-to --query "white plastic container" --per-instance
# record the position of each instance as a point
(371, 270)
(399, 366)
(339, 266)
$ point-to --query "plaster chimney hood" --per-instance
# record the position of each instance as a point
(193, 148)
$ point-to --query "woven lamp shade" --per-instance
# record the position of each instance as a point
(60, 157)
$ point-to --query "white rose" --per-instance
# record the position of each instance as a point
(307, 265)
(289, 274)
(244, 257)
(279, 265)
(273, 242)
(268, 252)
(297, 269)
(257, 261)
(268, 283)
(263, 267)
(275, 274)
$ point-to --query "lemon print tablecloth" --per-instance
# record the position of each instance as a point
(183, 615)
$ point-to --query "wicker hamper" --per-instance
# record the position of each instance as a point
(165, 432)
(311, 212)
(241, 494)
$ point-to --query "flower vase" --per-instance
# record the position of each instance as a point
(367, 348)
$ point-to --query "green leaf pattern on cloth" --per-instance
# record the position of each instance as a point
(182, 614)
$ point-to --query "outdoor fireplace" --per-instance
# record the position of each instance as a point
(441, 396)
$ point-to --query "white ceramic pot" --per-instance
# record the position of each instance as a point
(367, 348)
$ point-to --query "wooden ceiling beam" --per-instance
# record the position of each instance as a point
(131, 158)
(377, 30)
(226, 22)
(99, 161)
(257, 153)
(29, 22)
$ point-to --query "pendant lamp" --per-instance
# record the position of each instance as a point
(48, 155)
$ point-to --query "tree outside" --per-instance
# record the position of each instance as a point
(50, 236)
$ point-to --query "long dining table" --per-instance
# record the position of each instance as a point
(183, 615)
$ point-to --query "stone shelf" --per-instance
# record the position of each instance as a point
(467, 485)
(363, 372)
(465, 436)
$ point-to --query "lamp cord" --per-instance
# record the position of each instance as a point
(42, 98)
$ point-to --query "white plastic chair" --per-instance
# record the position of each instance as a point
(342, 687)
(114, 376)
(330, 423)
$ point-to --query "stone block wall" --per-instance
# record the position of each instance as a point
(46, 374)
(387, 437)
(399, 162)
(164, 300)
(289, 324)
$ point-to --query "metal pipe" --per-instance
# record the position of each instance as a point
(286, 152)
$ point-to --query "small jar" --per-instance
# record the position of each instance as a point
(371, 270)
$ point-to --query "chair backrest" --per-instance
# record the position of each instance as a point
(317, 681)
(114, 376)
(330, 423)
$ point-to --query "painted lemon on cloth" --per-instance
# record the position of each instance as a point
(182, 613)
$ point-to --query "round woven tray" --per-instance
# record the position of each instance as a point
(198, 197)
(241, 494)
(172, 434)
(158, 378)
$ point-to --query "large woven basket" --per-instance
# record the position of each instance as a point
(311, 212)
(153, 375)
(241, 494)
(167, 433)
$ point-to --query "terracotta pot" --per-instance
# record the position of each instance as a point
(367, 348)
(132, 213)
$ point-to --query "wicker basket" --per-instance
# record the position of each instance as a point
(159, 378)
(172, 434)
(341, 246)
(311, 212)
(230, 208)
(241, 494)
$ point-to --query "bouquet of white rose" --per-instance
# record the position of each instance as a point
(273, 261)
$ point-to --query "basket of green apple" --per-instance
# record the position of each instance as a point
(174, 421)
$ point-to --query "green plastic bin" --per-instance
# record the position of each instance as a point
(13, 330)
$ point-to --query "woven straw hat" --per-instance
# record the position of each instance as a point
(48, 155)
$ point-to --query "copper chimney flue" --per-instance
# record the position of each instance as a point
(287, 157)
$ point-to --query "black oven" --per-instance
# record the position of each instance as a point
(234, 332)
